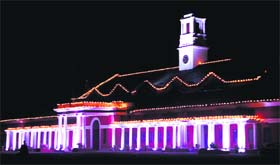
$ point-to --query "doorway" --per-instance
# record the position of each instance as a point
(95, 136)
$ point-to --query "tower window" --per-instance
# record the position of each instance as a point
(197, 28)
(188, 28)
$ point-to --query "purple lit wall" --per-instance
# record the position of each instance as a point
(134, 137)
(109, 137)
(52, 143)
(151, 137)
(219, 135)
(70, 139)
(233, 135)
(143, 137)
(169, 137)
(118, 137)
(87, 137)
(126, 137)
(160, 137)
(190, 137)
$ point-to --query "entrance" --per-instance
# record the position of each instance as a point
(95, 136)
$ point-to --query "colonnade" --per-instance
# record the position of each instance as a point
(58, 137)
(179, 134)
(55, 137)
(34, 138)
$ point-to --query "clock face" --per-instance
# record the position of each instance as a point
(185, 59)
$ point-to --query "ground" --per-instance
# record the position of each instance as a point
(137, 158)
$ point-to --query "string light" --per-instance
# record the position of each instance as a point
(249, 117)
(216, 61)
(148, 71)
(203, 105)
(40, 127)
(28, 118)
(95, 88)
(85, 95)
(198, 83)
(108, 94)
(113, 104)
(168, 84)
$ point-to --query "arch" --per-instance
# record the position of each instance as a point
(95, 131)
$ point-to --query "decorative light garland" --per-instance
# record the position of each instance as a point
(169, 68)
(216, 61)
(85, 95)
(40, 127)
(148, 71)
(203, 105)
(168, 84)
(113, 104)
(108, 94)
(28, 118)
(198, 83)
(249, 117)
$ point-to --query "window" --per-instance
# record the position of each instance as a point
(267, 135)
(197, 29)
(188, 28)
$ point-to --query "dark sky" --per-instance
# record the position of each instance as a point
(49, 49)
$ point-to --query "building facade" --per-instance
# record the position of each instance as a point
(189, 106)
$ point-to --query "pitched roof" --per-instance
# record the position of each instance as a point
(210, 82)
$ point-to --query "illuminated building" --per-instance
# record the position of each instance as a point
(189, 106)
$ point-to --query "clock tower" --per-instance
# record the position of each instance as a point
(192, 48)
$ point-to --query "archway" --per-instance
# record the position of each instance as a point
(95, 135)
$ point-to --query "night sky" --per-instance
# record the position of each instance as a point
(50, 51)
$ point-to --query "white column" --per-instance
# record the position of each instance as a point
(78, 129)
(203, 25)
(83, 131)
(67, 141)
(56, 139)
(164, 136)
(147, 136)
(241, 136)
(113, 137)
(174, 136)
(195, 135)
(138, 138)
(186, 135)
(19, 140)
(28, 138)
(65, 134)
(122, 138)
(50, 139)
(211, 133)
(14, 140)
(199, 135)
(31, 139)
(226, 136)
(192, 26)
(45, 137)
(59, 135)
(39, 138)
(22, 137)
(178, 136)
(7, 140)
(130, 137)
(156, 138)
(254, 136)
